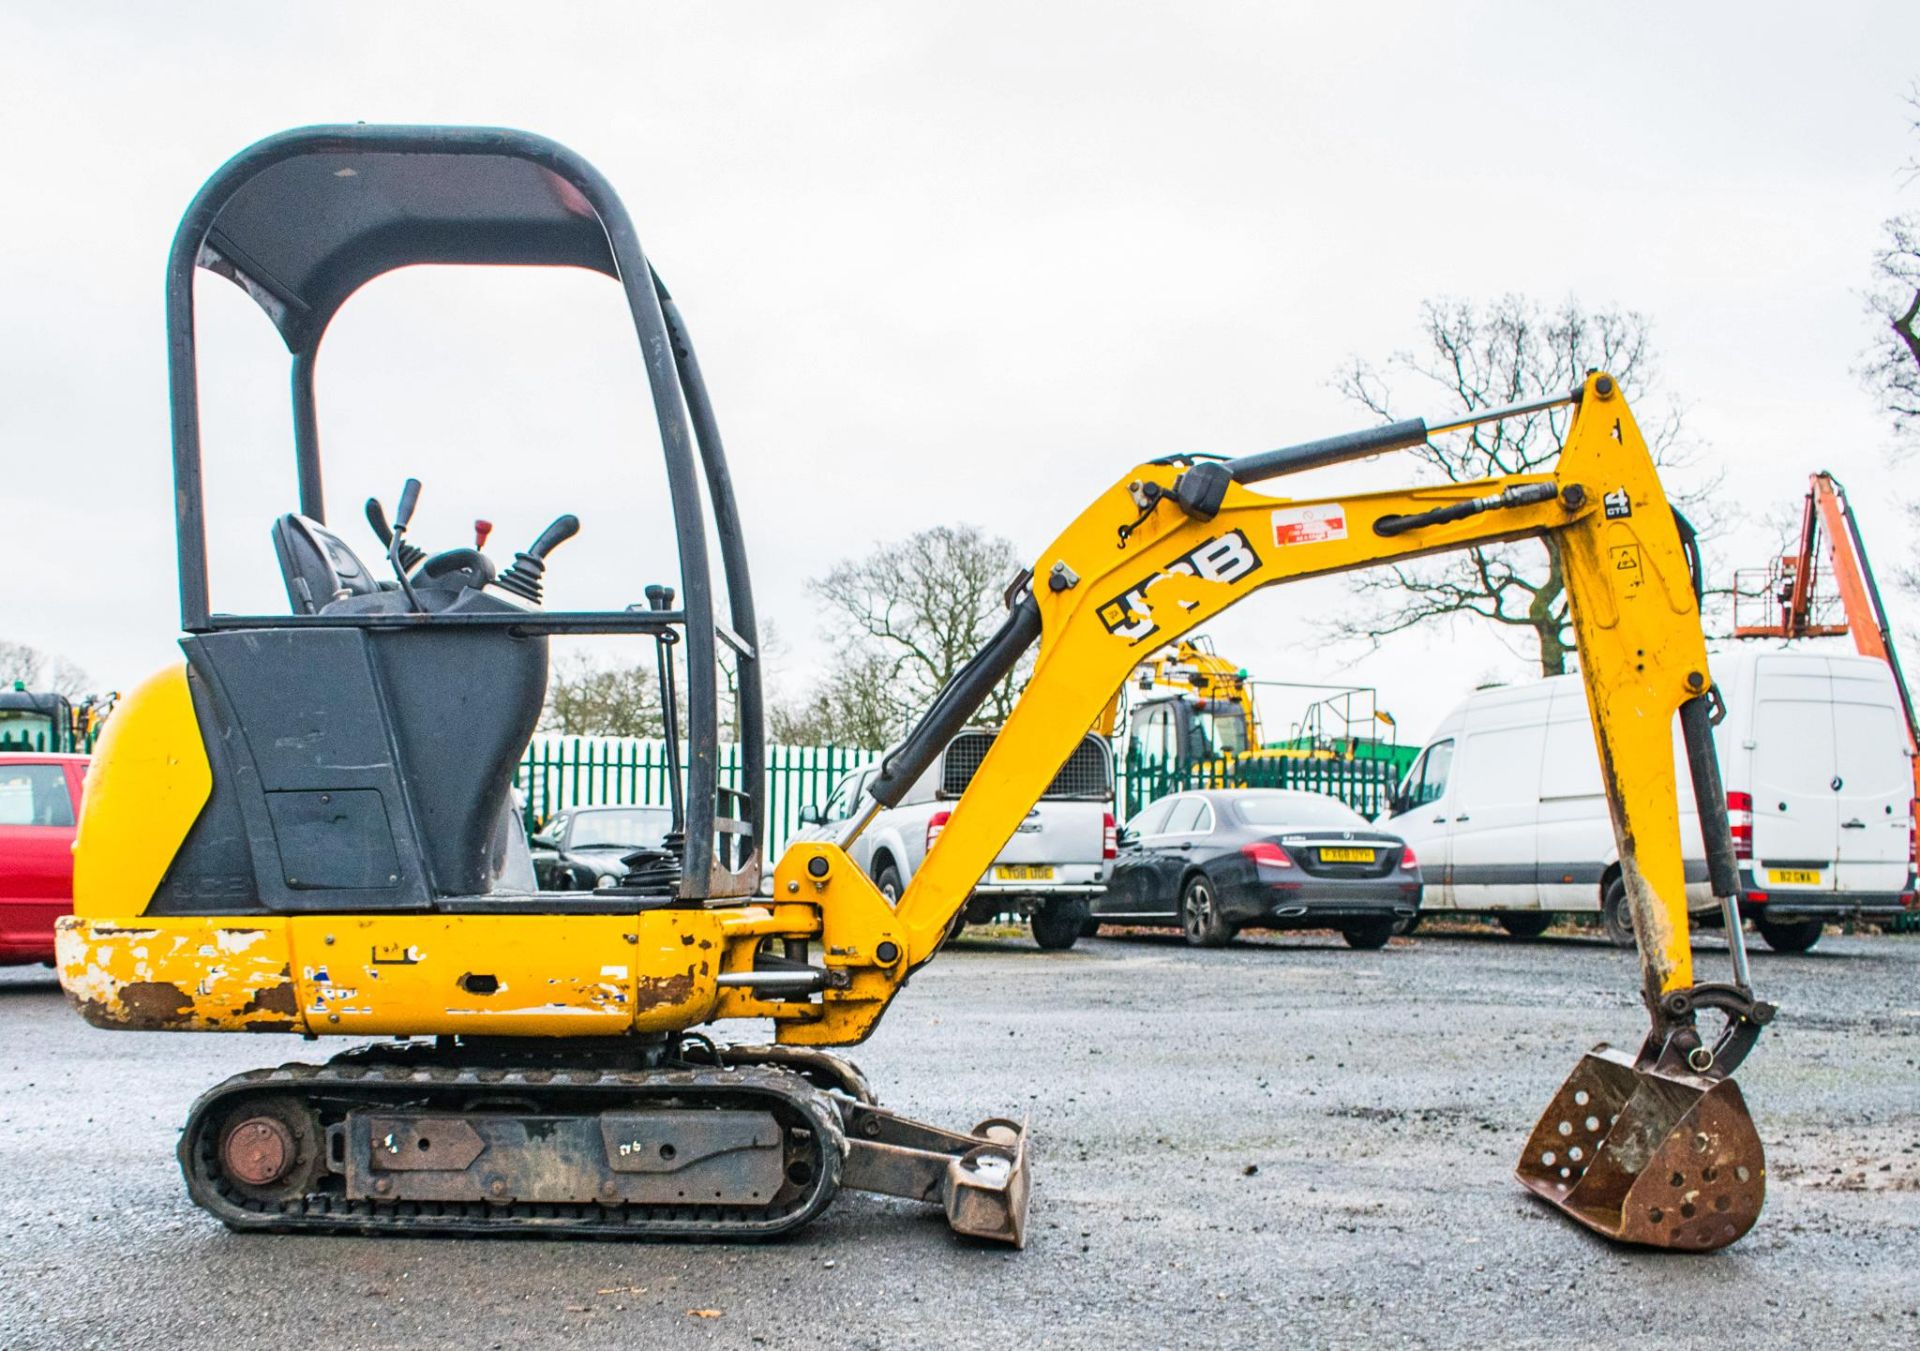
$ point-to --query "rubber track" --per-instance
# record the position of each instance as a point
(333, 1090)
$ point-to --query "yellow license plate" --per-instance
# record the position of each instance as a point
(1022, 872)
(1792, 876)
(1346, 855)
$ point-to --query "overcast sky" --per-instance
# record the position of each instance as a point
(960, 263)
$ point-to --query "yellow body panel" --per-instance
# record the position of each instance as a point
(422, 975)
(146, 786)
(535, 975)
(185, 973)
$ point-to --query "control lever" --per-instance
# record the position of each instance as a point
(397, 537)
(409, 499)
(410, 555)
(481, 529)
(523, 577)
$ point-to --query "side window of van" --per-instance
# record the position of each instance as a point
(1436, 763)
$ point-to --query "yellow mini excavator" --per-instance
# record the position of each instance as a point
(306, 827)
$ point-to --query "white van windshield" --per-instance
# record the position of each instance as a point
(1427, 780)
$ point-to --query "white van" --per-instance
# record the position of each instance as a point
(1506, 811)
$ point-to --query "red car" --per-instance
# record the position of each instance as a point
(39, 801)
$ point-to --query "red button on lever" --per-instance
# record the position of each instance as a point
(481, 529)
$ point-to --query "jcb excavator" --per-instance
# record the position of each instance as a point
(306, 828)
(1190, 711)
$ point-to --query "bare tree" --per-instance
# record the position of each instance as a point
(1474, 356)
(853, 706)
(908, 616)
(1892, 367)
(41, 671)
(588, 697)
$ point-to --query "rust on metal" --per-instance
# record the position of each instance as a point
(155, 1005)
(259, 1151)
(652, 992)
(1648, 1156)
(282, 999)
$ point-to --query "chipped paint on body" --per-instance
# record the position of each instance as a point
(362, 975)
(185, 974)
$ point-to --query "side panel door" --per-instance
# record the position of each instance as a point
(1575, 834)
(1425, 823)
(1496, 815)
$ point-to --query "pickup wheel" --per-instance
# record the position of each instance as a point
(1616, 916)
(1787, 935)
(1524, 923)
(1200, 914)
(888, 881)
(1056, 923)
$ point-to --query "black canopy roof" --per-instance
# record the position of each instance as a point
(303, 220)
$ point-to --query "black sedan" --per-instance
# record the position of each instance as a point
(581, 849)
(1265, 858)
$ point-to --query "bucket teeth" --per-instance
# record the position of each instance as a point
(1649, 1157)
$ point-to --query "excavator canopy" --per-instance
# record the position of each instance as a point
(303, 219)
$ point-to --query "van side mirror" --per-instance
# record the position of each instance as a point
(1398, 803)
(1124, 838)
(810, 815)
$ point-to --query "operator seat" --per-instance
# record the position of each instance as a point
(316, 564)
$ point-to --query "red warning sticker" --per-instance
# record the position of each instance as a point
(1309, 525)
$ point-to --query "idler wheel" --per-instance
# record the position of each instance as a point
(258, 1151)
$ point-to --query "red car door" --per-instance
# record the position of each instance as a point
(38, 800)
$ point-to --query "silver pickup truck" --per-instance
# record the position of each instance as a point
(1050, 869)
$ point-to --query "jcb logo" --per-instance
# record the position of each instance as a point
(1225, 558)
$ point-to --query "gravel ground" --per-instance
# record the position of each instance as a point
(1281, 1142)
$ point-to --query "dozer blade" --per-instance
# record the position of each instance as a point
(980, 1178)
(1648, 1156)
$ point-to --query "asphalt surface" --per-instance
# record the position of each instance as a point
(1285, 1142)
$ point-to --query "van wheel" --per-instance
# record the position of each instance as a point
(1056, 924)
(1615, 914)
(1788, 935)
(889, 883)
(1403, 927)
(1525, 923)
(1369, 934)
(1090, 926)
(1200, 915)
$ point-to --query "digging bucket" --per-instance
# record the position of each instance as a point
(1648, 1156)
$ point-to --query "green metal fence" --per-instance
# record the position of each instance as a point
(1364, 785)
(40, 741)
(560, 772)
